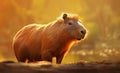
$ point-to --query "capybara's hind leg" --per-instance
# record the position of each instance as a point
(22, 58)
(23, 55)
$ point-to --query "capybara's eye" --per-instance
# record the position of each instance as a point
(70, 23)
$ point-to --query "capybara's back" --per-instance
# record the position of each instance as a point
(37, 42)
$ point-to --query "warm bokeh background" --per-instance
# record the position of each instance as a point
(101, 18)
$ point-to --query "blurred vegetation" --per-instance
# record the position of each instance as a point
(100, 17)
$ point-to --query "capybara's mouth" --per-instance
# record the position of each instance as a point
(82, 37)
(79, 38)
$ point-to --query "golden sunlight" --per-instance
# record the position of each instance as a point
(101, 18)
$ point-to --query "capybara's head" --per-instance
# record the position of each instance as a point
(73, 27)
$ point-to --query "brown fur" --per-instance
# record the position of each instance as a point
(42, 42)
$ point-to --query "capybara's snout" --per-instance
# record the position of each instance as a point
(83, 33)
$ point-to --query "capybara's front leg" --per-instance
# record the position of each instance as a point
(47, 57)
(59, 58)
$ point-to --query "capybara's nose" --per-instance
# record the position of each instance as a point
(83, 32)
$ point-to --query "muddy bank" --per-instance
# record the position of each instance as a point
(46, 67)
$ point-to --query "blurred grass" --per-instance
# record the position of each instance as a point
(96, 55)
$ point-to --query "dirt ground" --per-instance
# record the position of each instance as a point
(46, 67)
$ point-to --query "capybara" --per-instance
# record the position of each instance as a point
(37, 42)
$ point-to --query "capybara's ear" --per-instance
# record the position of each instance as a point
(64, 16)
